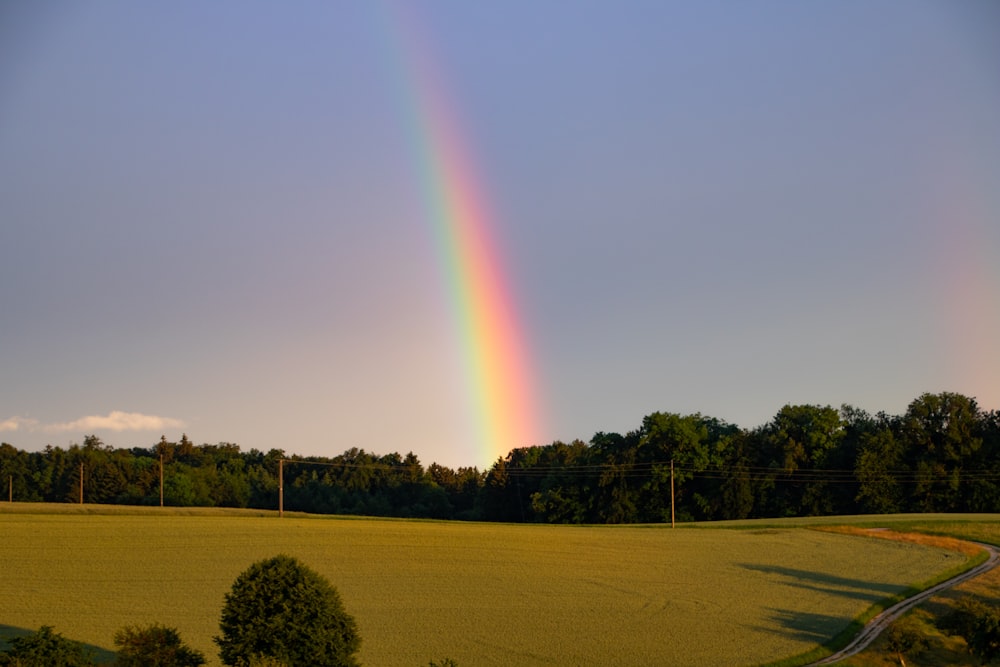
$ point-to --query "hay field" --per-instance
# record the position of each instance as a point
(482, 594)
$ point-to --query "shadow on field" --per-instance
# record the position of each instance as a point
(815, 628)
(100, 655)
(827, 584)
(9, 632)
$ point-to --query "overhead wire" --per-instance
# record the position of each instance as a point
(648, 469)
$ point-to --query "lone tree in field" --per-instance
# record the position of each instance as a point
(281, 609)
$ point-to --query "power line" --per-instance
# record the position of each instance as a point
(649, 469)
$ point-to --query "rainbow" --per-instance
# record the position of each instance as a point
(501, 386)
(969, 296)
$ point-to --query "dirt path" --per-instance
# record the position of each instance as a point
(875, 626)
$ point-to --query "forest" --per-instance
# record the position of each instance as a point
(941, 455)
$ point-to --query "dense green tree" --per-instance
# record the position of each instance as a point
(565, 483)
(979, 624)
(63, 475)
(232, 485)
(15, 475)
(262, 474)
(878, 469)
(940, 432)
(497, 501)
(857, 424)
(798, 444)
(280, 608)
(698, 448)
(461, 488)
(666, 437)
(106, 482)
(142, 480)
(178, 487)
(616, 494)
(154, 646)
(981, 470)
(186, 451)
(736, 493)
(164, 449)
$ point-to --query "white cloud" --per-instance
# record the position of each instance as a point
(17, 423)
(117, 421)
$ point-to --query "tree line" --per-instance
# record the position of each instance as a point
(941, 455)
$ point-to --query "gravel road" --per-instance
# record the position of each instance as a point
(875, 626)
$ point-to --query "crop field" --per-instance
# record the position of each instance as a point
(481, 594)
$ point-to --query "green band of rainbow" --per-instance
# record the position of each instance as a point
(494, 352)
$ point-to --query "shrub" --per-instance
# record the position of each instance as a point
(154, 646)
(45, 648)
(979, 624)
(279, 608)
(905, 637)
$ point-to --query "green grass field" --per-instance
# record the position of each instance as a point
(479, 593)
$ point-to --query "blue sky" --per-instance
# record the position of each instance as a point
(210, 220)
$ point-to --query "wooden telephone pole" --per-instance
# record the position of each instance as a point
(672, 522)
(81, 482)
(281, 488)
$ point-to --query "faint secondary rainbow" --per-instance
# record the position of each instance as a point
(965, 244)
(501, 385)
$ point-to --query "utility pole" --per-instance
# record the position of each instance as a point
(81, 482)
(672, 521)
(161, 479)
(10, 490)
(281, 488)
